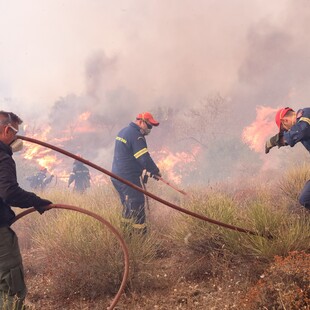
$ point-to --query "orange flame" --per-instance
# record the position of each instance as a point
(176, 165)
(84, 116)
(264, 126)
(43, 156)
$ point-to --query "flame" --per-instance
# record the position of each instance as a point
(84, 116)
(176, 165)
(51, 160)
(264, 126)
(81, 125)
(44, 157)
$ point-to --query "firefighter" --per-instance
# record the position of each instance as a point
(12, 284)
(131, 157)
(293, 127)
(81, 177)
(40, 180)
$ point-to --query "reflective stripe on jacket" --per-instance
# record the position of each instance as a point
(131, 155)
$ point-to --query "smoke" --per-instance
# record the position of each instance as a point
(91, 67)
(276, 66)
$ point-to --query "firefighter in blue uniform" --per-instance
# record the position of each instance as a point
(294, 127)
(40, 180)
(131, 157)
(80, 176)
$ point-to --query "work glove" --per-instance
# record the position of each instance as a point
(156, 175)
(276, 140)
(42, 207)
(145, 178)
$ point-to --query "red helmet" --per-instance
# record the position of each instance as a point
(147, 116)
(280, 114)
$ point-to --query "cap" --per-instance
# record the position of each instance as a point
(280, 114)
(148, 117)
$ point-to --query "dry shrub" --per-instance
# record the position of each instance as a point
(284, 285)
(80, 256)
(289, 232)
(293, 181)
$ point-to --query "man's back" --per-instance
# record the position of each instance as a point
(128, 142)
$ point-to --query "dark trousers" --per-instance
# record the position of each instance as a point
(12, 285)
(133, 204)
(304, 197)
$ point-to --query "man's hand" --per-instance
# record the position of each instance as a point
(276, 140)
(42, 207)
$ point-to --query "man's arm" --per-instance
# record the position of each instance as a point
(300, 131)
(10, 191)
(143, 156)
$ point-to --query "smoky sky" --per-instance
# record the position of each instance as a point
(115, 60)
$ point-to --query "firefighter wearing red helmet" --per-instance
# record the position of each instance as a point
(293, 127)
(131, 157)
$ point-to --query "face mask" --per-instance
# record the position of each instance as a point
(145, 132)
(16, 145)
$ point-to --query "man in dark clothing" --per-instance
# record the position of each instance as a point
(40, 180)
(81, 177)
(294, 127)
(131, 157)
(12, 285)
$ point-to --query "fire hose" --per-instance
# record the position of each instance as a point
(167, 203)
(174, 187)
(109, 226)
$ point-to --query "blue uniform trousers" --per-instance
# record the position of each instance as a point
(304, 197)
(133, 204)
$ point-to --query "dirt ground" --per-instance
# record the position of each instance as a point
(177, 279)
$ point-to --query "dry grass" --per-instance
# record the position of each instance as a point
(83, 261)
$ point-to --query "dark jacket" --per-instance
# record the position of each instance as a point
(131, 155)
(80, 175)
(300, 132)
(10, 192)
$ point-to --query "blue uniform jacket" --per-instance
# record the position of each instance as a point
(131, 155)
(300, 132)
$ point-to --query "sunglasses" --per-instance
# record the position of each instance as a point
(149, 126)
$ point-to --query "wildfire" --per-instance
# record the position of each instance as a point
(43, 156)
(46, 158)
(176, 165)
(82, 125)
(264, 126)
(84, 116)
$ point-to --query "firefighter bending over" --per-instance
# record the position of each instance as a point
(131, 157)
(40, 180)
(81, 177)
(294, 127)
